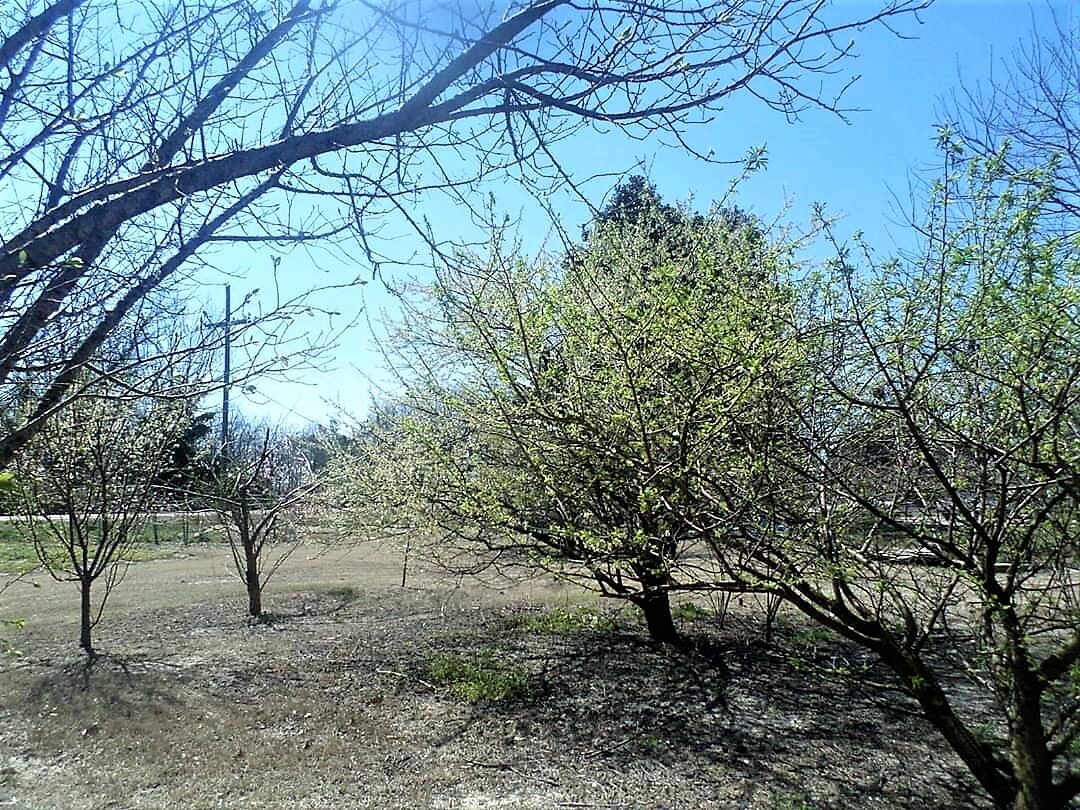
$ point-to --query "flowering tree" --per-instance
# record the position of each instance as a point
(88, 481)
(560, 416)
(261, 483)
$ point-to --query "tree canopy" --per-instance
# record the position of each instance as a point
(558, 414)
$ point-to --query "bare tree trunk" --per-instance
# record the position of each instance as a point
(254, 589)
(657, 609)
(251, 576)
(655, 603)
(1031, 795)
(1031, 760)
(85, 624)
(1032, 763)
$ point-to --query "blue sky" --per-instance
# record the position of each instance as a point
(858, 169)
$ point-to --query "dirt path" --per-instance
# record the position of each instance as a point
(334, 704)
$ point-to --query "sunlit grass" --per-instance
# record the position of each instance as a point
(18, 554)
(565, 620)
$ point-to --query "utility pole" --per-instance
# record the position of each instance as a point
(225, 387)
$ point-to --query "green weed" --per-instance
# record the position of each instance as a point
(689, 612)
(19, 556)
(477, 678)
(651, 743)
(812, 636)
(561, 621)
(792, 802)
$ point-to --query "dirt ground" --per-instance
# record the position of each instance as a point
(331, 704)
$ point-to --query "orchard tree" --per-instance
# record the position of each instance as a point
(261, 484)
(88, 481)
(557, 414)
(923, 499)
(140, 137)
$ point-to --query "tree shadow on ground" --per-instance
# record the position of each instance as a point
(91, 693)
(786, 714)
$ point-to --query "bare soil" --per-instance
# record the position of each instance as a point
(330, 704)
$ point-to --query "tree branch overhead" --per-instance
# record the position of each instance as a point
(118, 123)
